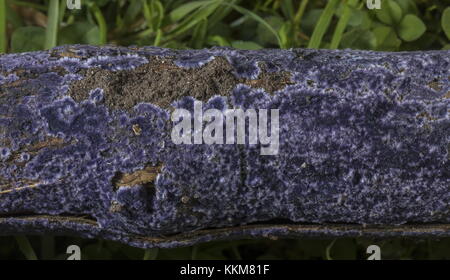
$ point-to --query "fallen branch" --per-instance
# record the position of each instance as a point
(87, 144)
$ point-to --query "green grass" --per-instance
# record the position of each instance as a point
(244, 24)
(3, 26)
(33, 247)
(51, 35)
(322, 24)
(342, 24)
(103, 37)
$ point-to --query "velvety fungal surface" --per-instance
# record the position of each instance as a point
(86, 148)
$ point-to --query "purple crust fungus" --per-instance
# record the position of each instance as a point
(86, 148)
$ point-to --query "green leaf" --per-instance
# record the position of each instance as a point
(390, 12)
(148, 15)
(265, 37)
(134, 8)
(28, 38)
(387, 39)
(158, 37)
(342, 23)
(103, 32)
(359, 39)
(285, 34)
(194, 18)
(446, 22)
(367, 21)
(199, 34)
(255, 17)
(158, 8)
(411, 28)
(356, 18)
(80, 33)
(322, 24)
(310, 20)
(408, 6)
(287, 8)
(245, 45)
(218, 40)
(220, 14)
(183, 10)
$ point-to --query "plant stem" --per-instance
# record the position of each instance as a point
(301, 10)
(322, 24)
(342, 24)
(101, 23)
(328, 250)
(51, 35)
(3, 26)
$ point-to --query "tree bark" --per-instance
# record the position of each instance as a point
(86, 144)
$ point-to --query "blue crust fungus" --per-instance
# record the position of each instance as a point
(86, 148)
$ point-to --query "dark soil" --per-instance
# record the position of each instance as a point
(161, 82)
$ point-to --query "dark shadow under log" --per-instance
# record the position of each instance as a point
(86, 146)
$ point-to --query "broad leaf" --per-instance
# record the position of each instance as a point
(28, 38)
(411, 28)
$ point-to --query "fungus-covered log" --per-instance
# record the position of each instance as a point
(87, 144)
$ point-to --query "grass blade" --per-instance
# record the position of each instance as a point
(254, 16)
(194, 18)
(322, 24)
(298, 16)
(2, 26)
(342, 23)
(101, 23)
(148, 15)
(183, 10)
(328, 250)
(25, 248)
(158, 38)
(220, 14)
(62, 12)
(157, 6)
(287, 8)
(199, 34)
(51, 35)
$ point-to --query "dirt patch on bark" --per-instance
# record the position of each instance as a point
(161, 82)
(144, 177)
